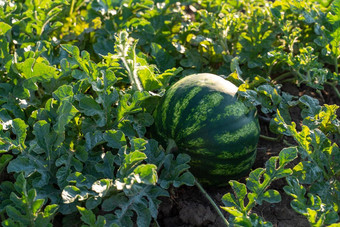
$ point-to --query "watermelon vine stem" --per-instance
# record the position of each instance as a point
(72, 8)
(132, 69)
(126, 52)
(333, 85)
(282, 76)
(172, 145)
(287, 143)
(274, 139)
(205, 193)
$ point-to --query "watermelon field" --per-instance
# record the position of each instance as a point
(169, 113)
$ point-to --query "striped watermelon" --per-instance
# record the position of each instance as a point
(202, 114)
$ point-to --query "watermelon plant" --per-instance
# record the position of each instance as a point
(202, 114)
(80, 82)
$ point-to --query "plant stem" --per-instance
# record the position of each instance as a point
(133, 71)
(320, 94)
(336, 65)
(336, 91)
(287, 143)
(283, 76)
(333, 85)
(49, 19)
(212, 202)
(270, 138)
(289, 80)
(130, 74)
(72, 8)
(80, 5)
(329, 3)
(135, 68)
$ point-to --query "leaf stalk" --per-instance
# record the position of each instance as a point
(204, 192)
(273, 139)
(283, 76)
(333, 85)
(72, 8)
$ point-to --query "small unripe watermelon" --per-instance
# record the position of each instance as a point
(205, 118)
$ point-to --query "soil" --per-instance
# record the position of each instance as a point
(187, 207)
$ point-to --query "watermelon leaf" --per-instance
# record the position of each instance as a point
(175, 171)
(26, 207)
(256, 190)
(88, 217)
(312, 206)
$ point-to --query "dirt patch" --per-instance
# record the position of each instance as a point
(188, 207)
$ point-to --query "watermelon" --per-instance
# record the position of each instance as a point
(205, 118)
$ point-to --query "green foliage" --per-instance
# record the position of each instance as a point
(318, 170)
(317, 213)
(25, 209)
(79, 82)
(256, 191)
(78, 130)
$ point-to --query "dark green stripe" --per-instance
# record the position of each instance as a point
(164, 112)
(233, 168)
(187, 119)
(179, 96)
(226, 137)
(209, 140)
(230, 125)
(210, 125)
(227, 153)
(180, 93)
(181, 105)
(212, 156)
(199, 114)
(219, 170)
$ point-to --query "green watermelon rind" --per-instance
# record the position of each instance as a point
(203, 115)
